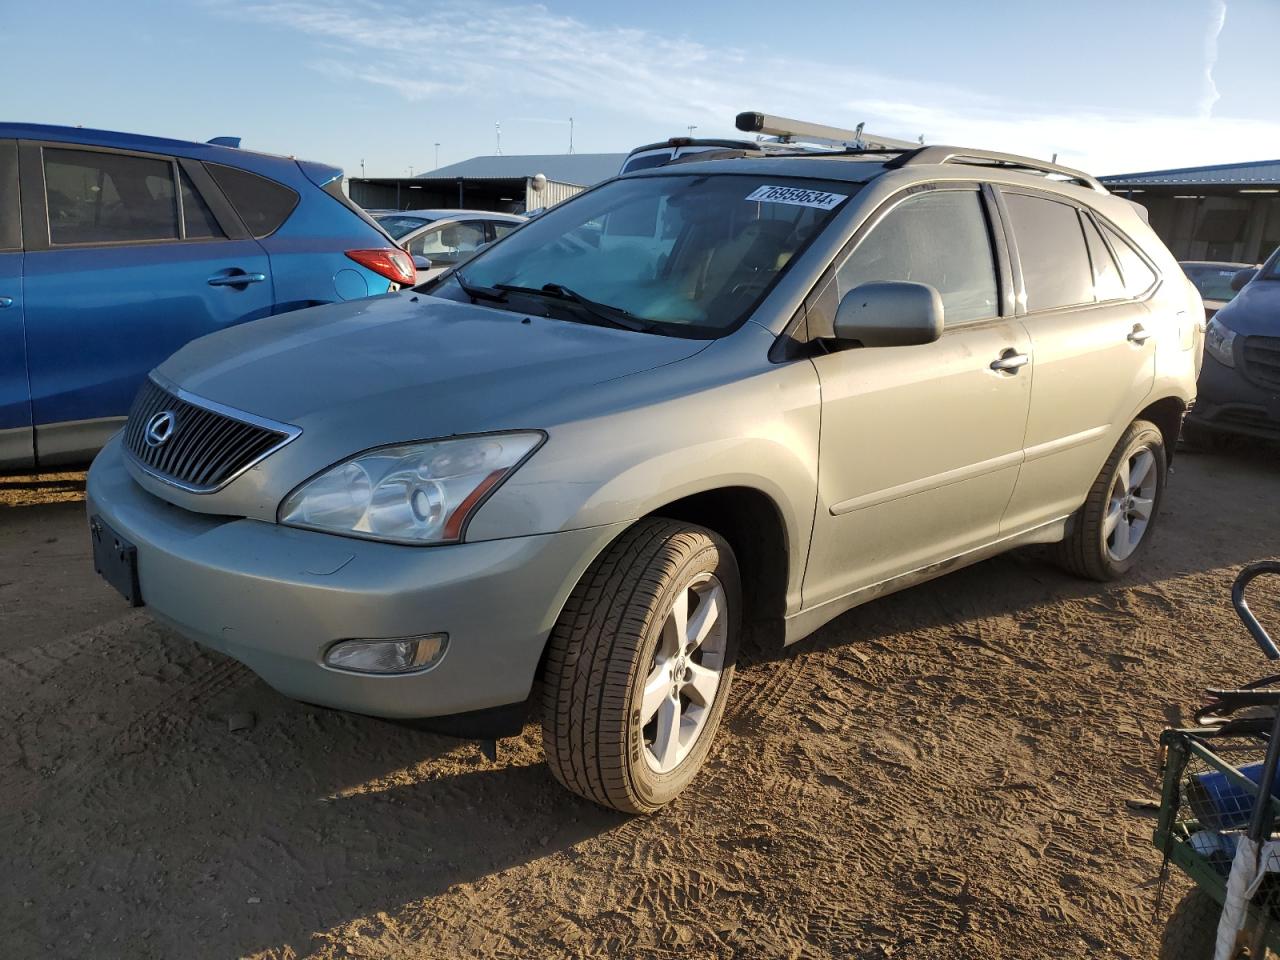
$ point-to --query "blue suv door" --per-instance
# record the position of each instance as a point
(15, 396)
(141, 254)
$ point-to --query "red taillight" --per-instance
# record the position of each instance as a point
(390, 262)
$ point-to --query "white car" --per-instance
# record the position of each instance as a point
(440, 239)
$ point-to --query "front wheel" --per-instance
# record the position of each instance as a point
(1114, 526)
(639, 665)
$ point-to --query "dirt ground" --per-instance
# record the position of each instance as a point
(942, 773)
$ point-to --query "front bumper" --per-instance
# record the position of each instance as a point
(1229, 403)
(276, 598)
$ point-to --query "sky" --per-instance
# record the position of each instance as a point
(1111, 86)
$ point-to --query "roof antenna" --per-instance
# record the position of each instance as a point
(1055, 158)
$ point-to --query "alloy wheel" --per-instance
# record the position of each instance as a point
(685, 673)
(1130, 505)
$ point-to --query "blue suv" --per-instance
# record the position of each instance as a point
(115, 250)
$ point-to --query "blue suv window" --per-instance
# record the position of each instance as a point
(108, 197)
(263, 204)
(198, 221)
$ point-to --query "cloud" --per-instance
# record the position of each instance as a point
(1211, 96)
(517, 61)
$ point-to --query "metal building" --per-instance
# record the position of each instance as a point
(508, 184)
(1226, 212)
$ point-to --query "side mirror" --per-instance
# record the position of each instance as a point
(889, 314)
(423, 263)
(1242, 277)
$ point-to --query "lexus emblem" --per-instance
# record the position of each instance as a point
(159, 428)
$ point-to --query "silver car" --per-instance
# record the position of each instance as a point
(440, 239)
(698, 401)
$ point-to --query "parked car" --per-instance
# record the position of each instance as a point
(440, 239)
(1214, 281)
(690, 403)
(1240, 383)
(117, 249)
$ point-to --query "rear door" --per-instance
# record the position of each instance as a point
(920, 445)
(1093, 344)
(15, 395)
(135, 255)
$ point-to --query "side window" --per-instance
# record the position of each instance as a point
(1138, 277)
(263, 204)
(1107, 283)
(108, 197)
(446, 243)
(501, 228)
(10, 211)
(1051, 249)
(940, 238)
(198, 221)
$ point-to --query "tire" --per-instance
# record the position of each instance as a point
(1093, 548)
(1192, 929)
(618, 635)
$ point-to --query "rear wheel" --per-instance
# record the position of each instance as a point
(1114, 526)
(639, 666)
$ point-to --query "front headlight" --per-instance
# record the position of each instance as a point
(415, 493)
(1218, 343)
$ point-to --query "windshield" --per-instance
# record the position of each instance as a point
(688, 255)
(400, 226)
(1212, 280)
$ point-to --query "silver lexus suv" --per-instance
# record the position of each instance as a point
(698, 401)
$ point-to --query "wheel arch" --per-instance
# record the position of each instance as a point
(752, 523)
(1166, 413)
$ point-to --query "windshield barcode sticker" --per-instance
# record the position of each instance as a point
(798, 196)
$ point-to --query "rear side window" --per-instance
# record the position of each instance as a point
(1051, 249)
(1138, 277)
(198, 221)
(263, 204)
(939, 238)
(1107, 282)
(501, 228)
(10, 212)
(108, 197)
(447, 244)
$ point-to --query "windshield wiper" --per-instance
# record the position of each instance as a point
(605, 313)
(478, 293)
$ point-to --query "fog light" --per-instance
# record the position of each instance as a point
(410, 655)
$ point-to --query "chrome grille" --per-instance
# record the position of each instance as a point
(208, 445)
(1262, 361)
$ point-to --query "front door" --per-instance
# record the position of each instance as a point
(134, 264)
(15, 394)
(920, 446)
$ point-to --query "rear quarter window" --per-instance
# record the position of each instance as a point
(263, 204)
(1138, 277)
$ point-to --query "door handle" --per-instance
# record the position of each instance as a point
(236, 279)
(1139, 334)
(1010, 362)
(6, 302)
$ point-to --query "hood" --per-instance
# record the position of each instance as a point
(406, 366)
(1255, 311)
(394, 369)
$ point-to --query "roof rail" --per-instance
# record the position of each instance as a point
(940, 155)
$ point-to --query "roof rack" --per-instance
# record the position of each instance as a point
(941, 155)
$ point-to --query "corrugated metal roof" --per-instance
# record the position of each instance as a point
(583, 169)
(1266, 172)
